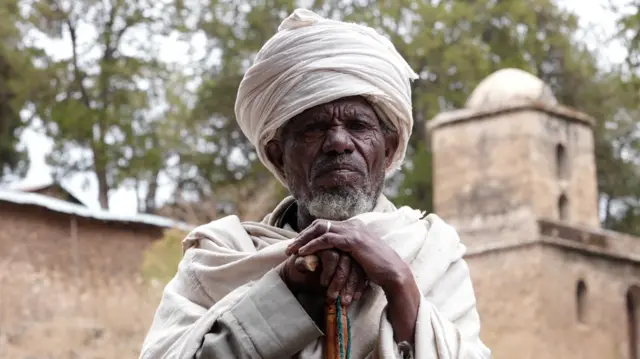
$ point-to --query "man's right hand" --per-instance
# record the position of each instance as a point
(337, 274)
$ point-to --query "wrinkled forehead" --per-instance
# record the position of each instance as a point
(346, 107)
(343, 107)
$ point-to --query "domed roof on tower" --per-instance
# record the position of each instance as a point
(507, 87)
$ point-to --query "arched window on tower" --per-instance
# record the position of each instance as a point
(633, 320)
(581, 300)
(563, 207)
(562, 170)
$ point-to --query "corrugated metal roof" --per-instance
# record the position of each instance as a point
(60, 206)
(34, 187)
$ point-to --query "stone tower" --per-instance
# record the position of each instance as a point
(514, 173)
(512, 155)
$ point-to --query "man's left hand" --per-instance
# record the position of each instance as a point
(381, 264)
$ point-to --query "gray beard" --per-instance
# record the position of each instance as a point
(340, 204)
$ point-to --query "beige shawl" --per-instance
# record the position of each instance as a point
(232, 254)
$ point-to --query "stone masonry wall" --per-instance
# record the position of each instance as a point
(480, 167)
(498, 164)
(603, 330)
(79, 299)
(506, 283)
(579, 182)
(528, 305)
(44, 239)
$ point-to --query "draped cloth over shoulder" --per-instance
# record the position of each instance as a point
(311, 61)
(226, 260)
(227, 301)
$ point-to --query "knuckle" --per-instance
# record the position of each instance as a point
(340, 276)
(332, 256)
(349, 291)
(340, 280)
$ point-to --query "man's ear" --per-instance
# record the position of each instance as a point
(275, 154)
(391, 140)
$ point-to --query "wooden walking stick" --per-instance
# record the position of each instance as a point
(337, 331)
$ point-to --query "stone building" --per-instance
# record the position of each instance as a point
(514, 172)
(70, 276)
(64, 236)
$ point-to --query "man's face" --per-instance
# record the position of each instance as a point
(334, 158)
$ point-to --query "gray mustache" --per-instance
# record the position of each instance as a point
(324, 163)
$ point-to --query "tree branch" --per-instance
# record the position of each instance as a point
(79, 77)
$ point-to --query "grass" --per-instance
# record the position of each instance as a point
(162, 258)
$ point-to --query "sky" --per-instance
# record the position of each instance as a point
(592, 17)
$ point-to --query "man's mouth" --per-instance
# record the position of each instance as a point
(341, 169)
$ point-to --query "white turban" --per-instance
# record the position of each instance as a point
(311, 61)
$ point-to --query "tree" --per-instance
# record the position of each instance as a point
(454, 44)
(618, 146)
(451, 44)
(97, 110)
(16, 70)
(235, 32)
(153, 151)
(628, 24)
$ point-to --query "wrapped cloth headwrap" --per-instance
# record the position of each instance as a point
(311, 61)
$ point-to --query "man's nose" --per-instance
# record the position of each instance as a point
(338, 140)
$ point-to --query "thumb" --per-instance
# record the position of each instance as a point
(307, 264)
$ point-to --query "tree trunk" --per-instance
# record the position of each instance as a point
(150, 198)
(103, 188)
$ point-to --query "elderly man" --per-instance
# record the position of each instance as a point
(328, 106)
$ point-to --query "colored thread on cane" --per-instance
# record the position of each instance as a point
(349, 337)
(345, 353)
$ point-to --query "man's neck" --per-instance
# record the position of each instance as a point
(303, 219)
(296, 217)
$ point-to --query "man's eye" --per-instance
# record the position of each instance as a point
(357, 125)
(312, 131)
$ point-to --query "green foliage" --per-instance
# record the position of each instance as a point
(97, 104)
(416, 190)
(234, 36)
(161, 259)
(629, 30)
(618, 145)
(114, 110)
(452, 44)
(15, 69)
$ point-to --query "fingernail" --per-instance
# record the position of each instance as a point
(346, 300)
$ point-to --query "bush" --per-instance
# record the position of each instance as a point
(162, 258)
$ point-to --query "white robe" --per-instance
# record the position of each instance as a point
(226, 288)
